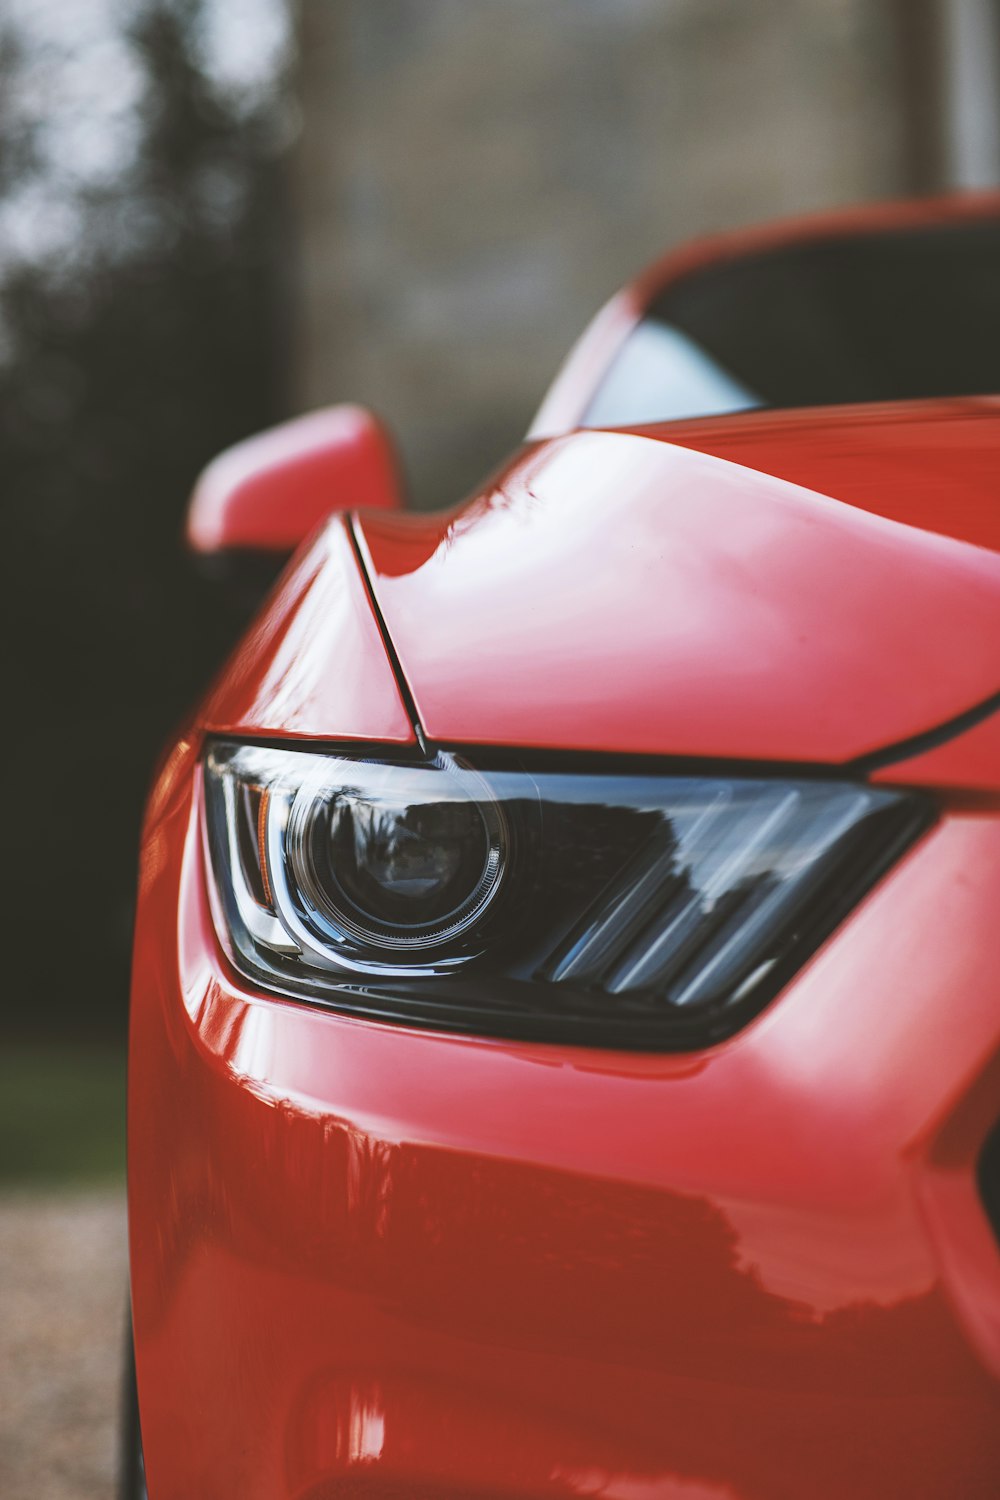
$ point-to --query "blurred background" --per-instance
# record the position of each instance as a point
(216, 213)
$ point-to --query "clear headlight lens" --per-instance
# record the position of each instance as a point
(625, 910)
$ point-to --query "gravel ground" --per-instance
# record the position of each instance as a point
(62, 1310)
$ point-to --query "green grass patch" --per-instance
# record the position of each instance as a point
(62, 1114)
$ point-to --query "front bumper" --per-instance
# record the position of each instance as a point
(369, 1261)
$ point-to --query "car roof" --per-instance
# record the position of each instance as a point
(565, 405)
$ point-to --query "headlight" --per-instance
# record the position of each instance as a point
(633, 910)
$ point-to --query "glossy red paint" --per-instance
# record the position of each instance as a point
(314, 663)
(617, 593)
(929, 464)
(570, 394)
(375, 1262)
(269, 492)
(968, 762)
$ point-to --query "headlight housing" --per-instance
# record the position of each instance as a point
(627, 909)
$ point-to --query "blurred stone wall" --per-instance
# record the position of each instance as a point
(474, 177)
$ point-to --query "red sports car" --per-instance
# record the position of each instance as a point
(565, 1052)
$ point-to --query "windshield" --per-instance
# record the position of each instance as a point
(884, 317)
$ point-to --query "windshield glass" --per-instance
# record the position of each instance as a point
(884, 317)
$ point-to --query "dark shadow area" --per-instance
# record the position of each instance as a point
(142, 254)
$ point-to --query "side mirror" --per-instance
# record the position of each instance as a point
(265, 495)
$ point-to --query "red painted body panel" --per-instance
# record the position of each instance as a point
(314, 663)
(616, 593)
(374, 1262)
(930, 464)
(969, 762)
(271, 491)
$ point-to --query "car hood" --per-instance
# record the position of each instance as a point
(633, 592)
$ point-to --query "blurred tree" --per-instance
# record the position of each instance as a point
(140, 331)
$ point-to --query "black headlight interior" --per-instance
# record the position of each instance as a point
(633, 910)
